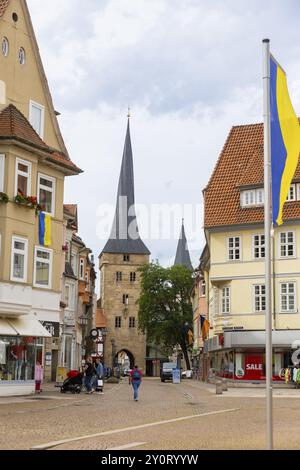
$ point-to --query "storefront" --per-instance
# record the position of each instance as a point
(21, 346)
(240, 356)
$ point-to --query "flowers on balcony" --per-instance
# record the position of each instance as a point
(28, 201)
(4, 198)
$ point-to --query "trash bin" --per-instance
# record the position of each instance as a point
(225, 385)
(219, 387)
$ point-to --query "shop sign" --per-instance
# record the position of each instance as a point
(254, 367)
(61, 374)
(48, 358)
(52, 328)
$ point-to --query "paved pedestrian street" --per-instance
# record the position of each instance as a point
(177, 417)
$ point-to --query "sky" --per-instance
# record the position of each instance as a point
(188, 69)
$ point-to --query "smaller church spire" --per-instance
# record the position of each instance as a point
(183, 255)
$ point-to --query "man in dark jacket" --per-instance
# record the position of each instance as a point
(90, 372)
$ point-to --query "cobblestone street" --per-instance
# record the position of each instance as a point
(177, 417)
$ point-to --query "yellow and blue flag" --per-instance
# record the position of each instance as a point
(285, 140)
(45, 229)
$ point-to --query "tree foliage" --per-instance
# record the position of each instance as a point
(165, 309)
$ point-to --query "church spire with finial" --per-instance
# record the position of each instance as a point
(183, 255)
(124, 237)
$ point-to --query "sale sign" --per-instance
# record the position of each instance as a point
(254, 368)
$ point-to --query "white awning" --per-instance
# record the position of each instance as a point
(6, 329)
(23, 326)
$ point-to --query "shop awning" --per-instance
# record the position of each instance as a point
(23, 326)
(254, 339)
(6, 329)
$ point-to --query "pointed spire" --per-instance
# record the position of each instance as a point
(124, 237)
(182, 254)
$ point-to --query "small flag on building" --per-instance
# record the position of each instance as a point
(285, 140)
(205, 326)
(45, 229)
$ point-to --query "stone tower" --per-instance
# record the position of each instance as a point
(183, 255)
(122, 256)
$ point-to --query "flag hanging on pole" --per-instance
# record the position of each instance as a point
(205, 325)
(285, 140)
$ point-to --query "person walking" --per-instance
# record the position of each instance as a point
(100, 371)
(89, 370)
(38, 377)
(135, 379)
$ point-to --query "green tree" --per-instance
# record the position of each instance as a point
(165, 309)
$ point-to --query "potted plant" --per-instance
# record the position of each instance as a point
(4, 198)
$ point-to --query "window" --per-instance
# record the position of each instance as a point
(252, 197)
(125, 299)
(118, 276)
(260, 298)
(131, 322)
(37, 117)
(259, 246)
(19, 255)
(5, 47)
(42, 267)
(298, 192)
(118, 322)
(287, 244)
(87, 281)
(132, 277)
(2, 169)
(288, 297)
(23, 178)
(292, 193)
(81, 269)
(67, 295)
(126, 258)
(234, 248)
(22, 56)
(225, 300)
(46, 193)
(202, 289)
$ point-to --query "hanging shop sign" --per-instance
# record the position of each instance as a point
(52, 327)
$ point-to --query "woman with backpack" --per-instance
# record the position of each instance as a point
(135, 379)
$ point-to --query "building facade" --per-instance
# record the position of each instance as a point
(234, 217)
(119, 263)
(33, 165)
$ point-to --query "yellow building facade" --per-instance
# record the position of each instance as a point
(33, 165)
(234, 273)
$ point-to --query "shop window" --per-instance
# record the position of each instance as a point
(17, 358)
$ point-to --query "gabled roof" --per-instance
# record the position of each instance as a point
(240, 164)
(124, 237)
(3, 6)
(183, 255)
(70, 212)
(15, 127)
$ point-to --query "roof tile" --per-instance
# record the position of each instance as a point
(241, 163)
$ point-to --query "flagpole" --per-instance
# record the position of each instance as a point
(268, 286)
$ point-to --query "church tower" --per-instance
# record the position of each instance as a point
(122, 256)
(182, 254)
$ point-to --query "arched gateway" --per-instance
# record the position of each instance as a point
(120, 260)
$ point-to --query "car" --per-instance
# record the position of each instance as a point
(166, 372)
(187, 374)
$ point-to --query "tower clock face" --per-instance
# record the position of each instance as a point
(94, 334)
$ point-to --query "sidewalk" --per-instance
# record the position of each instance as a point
(246, 391)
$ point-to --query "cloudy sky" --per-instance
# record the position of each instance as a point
(189, 69)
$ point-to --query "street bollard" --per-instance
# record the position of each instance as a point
(224, 385)
(219, 387)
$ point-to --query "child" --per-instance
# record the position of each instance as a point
(38, 377)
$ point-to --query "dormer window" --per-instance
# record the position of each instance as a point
(252, 197)
(291, 194)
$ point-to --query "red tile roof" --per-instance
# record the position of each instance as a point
(15, 126)
(240, 164)
(3, 6)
